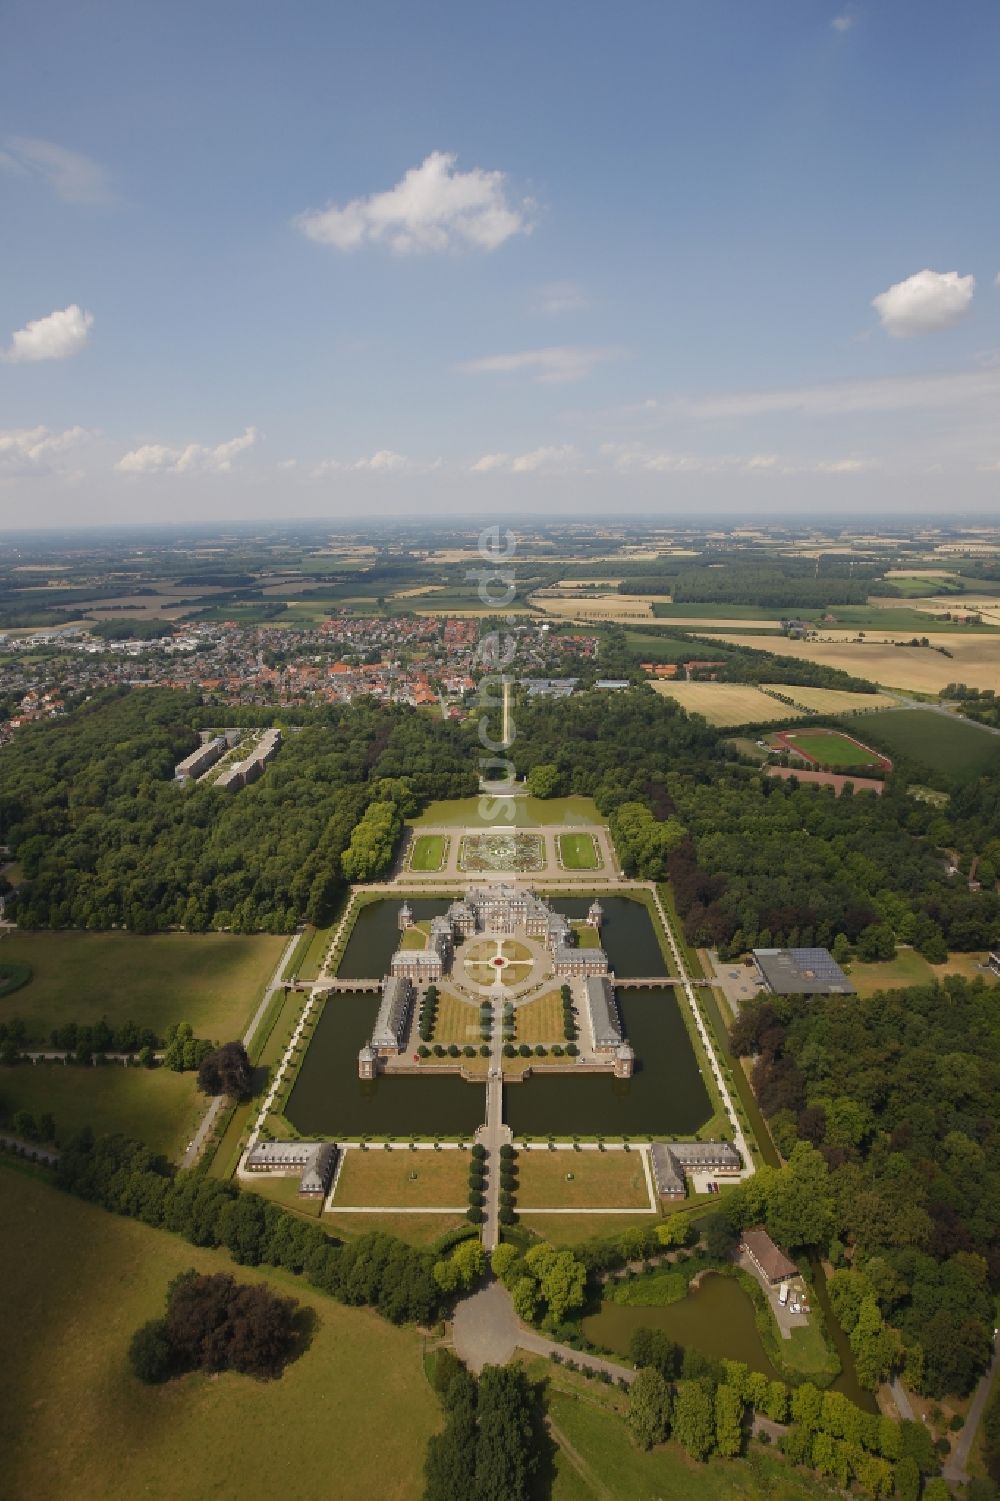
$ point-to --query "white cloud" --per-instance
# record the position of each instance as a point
(637, 459)
(551, 366)
(73, 177)
(433, 207)
(553, 459)
(558, 297)
(157, 458)
(384, 461)
(55, 337)
(843, 22)
(37, 450)
(924, 303)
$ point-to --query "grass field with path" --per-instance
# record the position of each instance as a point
(157, 1106)
(212, 980)
(943, 743)
(427, 852)
(74, 1422)
(401, 1179)
(578, 851)
(724, 704)
(599, 1180)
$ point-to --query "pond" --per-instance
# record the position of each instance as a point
(375, 936)
(717, 1318)
(521, 812)
(328, 1098)
(627, 933)
(666, 1095)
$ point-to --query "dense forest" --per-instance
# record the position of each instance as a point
(893, 1103)
(106, 837)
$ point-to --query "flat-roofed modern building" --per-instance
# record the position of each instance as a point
(801, 972)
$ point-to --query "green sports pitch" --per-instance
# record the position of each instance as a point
(578, 852)
(829, 748)
(427, 852)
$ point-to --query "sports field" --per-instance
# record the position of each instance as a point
(972, 658)
(156, 1105)
(427, 852)
(581, 1180)
(828, 748)
(212, 980)
(578, 851)
(724, 704)
(403, 1180)
(944, 743)
(74, 1422)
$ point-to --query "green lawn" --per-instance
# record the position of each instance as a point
(427, 852)
(350, 1418)
(212, 980)
(156, 1105)
(522, 812)
(578, 851)
(940, 742)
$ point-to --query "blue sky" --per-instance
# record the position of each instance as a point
(320, 259)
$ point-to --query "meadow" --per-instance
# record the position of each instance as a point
(212, 980)
(156, 1105)
(75, 1422)
(943, 743)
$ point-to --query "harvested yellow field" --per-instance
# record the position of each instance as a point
(588, 583)
(832, 700)
(600, 607)
(973, 659)
(724, 704)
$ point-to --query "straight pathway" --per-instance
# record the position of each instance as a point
(954, 1469)
(219, 1102)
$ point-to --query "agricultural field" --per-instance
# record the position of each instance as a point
(403, 1180)
(832, 700)
(724, 704)
(972, 659)
(581, 1180)
(75, 1422)
(610, 607)
(212, 980)
(156, 1105)
(944, 743)
(578, 851)
(828, 748)
(427, 852)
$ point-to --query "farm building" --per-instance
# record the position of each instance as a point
(801, 972)
(769, 1259)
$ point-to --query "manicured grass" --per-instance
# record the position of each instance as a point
(600, 1180)
(586, 936)
(940, 742)
(401, 1179)
(212, 980)
(522, 812)
(13, 976)
(540, 1020)
(578, 851)
(415, 1229)
(571, 1229)
(456, 1020)
(911, 968)
(427, 852)
(74, 1422)
(413, 938)
(156, 1105)
(313, 955)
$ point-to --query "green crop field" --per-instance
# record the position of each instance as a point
(940, 742)
(427, 852)
(578, 851)
(74, 1422)
(829, 748)
(212, 980)
(156, 1105)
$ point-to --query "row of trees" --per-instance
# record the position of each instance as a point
(886, 1112)
(375, 1270)
(493, 1435)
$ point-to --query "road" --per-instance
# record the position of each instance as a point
(954, 1469)
(218, 1104)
